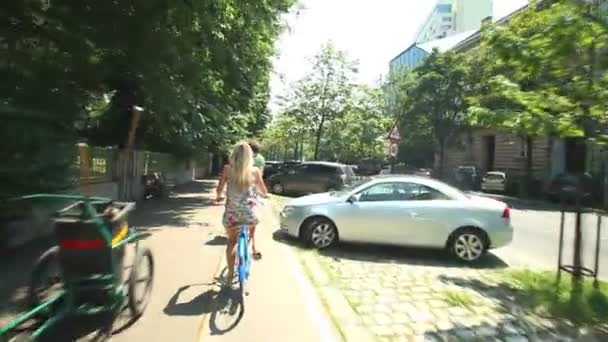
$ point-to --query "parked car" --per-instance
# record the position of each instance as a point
(312, 177)
(467, 177)
(494, 181)
(272, 167)
(401, 210)
(564, 186)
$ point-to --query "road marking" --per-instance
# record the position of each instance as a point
(315, 310)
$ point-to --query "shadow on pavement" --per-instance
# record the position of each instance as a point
(511, 304)
(393, 254)
(201, 304)
(175, 210)
(225, 306)
(217, 240)
(149, 216)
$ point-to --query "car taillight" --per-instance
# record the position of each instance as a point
(506, 213)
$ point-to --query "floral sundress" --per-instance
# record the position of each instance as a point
(240, 207)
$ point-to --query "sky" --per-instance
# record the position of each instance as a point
(370, 31)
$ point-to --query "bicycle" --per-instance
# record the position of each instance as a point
(243, 256)
(243, 259)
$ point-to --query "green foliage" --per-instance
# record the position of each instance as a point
(431, 104)
(540, 292)
(323, 94)
(327, 116)
(417, 144)
(544, 72)
(458, 298)
(200, 69)
(360, 132)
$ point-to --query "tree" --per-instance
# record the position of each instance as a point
(360, 132)
(435, 100)
(551, 71)
(543, 73)
(417, 144)
(200, 70)
(323, 94)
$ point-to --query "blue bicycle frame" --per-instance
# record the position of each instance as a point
(243, 261)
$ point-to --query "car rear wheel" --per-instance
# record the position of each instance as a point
(278, 188)
(320, 233)
(468, 244)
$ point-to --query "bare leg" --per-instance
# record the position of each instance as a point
(256, 254)
(231, 250)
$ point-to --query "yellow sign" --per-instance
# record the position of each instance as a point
(124, 228)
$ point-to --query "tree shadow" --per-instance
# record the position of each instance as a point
(519, 313)
(175, 211)
(395, 254)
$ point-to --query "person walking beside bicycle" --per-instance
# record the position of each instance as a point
(258, 161)
(242, 180)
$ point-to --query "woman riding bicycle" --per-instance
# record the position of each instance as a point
(242, 179)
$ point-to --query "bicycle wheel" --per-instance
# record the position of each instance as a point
(140, 284)
(45, 281)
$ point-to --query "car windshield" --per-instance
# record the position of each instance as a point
(348, 188)
(349, 172)
(494, 176)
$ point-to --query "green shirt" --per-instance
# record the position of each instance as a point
(259, 161)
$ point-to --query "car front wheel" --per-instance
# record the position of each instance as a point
(278, 188)
(468, 245)
(320, 233)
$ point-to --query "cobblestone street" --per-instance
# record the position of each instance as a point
(424, 296)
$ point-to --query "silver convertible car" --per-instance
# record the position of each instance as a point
(401, 210)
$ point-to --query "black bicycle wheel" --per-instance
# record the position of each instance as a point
(22, 336)
(140, 283)
(45, 281)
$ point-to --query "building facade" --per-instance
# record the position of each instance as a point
(417, 52)
(449, 17)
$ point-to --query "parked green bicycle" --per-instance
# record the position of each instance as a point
(83, 274)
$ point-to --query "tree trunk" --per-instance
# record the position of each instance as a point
(529, 166)
(441, 158)
(318, 138)
(302, 146)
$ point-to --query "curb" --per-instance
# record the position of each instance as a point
(338, 308)
(344, 319)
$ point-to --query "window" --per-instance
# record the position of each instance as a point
(317, 168)
(380, 192)
(446, 19)
(426, 193)
(400, 191)
(444, 8)
(523, 147)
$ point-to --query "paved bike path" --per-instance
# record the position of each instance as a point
(281, 306)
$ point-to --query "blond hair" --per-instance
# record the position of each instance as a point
(241, 161)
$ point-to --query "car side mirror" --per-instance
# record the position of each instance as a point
(352, 199)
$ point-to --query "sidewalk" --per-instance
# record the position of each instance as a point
(282, 305)
(178, 229)
(188, 242)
